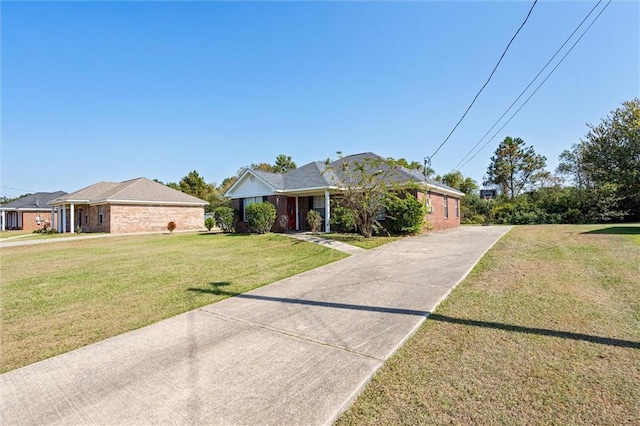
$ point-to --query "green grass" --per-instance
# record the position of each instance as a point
(8, 234)
(58, 297)
(545, 330)
(360, 241)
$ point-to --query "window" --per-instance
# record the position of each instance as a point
(86, 218)
(446, 207)
(247, 202)
(318, 205)
(100, 215)
(457, 208)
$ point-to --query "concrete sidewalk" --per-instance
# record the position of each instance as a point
(294, 352)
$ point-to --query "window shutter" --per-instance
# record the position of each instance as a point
(310, 203)
(241, 209)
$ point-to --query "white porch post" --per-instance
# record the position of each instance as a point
(64, 219)
(59, 220)
(72, 217)
(327, 212)
(2, 217)
(53, 216)
(19, 213)
(297, 215)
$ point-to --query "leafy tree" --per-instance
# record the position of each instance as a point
(458, 181)
(283, 164)
(610, 154)
(414, 165)
(209, 223)
(515, 167)
(195, 185)
(365, 189)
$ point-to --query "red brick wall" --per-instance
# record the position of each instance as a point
(29, 222)
(436, 217)
(280, 203)
(143, 218)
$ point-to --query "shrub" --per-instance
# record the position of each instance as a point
(405, 215)
(260, 217)
(314, 220)
(171, 226)
(342, 219)
(223, 217)
(209, 223)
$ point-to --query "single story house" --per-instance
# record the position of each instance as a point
(310, 187)
(137, 205)
(29, 213)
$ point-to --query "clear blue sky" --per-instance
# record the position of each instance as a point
(111, 91)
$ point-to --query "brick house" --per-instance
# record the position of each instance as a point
(310, 187)
(137, 205)
(29, 213)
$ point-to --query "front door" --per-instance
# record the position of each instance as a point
(291, 212)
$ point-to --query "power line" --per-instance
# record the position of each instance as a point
(486, 82)
(16, 189)
(530, 83)
(540, 85)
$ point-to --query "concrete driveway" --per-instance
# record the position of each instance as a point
(294, 352)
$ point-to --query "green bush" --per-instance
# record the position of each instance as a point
(209, 223)
(405, 215)
(223, 217)
(260, 217)
(342, 219)
(314, 220)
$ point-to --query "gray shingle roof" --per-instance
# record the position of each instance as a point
(316, 175)
(38, 200)
(140, 190)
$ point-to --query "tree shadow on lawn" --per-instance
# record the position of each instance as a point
(617, 230)
(218, 291)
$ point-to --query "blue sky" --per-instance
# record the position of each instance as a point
(111, 91)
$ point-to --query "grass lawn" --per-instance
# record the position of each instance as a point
(8, 234)
(545, 330)
(58, 297)
(360, 241)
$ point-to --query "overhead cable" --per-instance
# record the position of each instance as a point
(529, 85)
(486, 82)
(536, 89)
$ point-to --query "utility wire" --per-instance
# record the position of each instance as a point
(485, 83)
(16, 189)
(540, 85)
(529, 85)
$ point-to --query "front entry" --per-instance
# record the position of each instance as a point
(291, 212)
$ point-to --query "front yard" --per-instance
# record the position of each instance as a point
(58, 297)
(545, 330)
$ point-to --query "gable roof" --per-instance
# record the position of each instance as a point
(317, 175)
(37, 201)
(134, 191)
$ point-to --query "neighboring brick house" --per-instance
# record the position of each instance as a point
(311, 187)
(137, 205)
(29, 213)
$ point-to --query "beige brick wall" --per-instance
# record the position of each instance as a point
(143, 218)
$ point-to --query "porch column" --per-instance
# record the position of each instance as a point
(297, 215)
(327, 212)
(53, 216)
(64, 219)
(19, 213)
(72, 217)
(2, 217)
